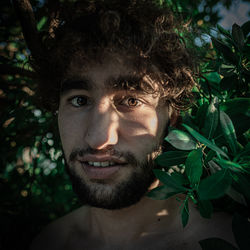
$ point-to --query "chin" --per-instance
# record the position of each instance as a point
(112, 193)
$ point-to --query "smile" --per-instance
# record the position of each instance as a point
(101, 163)
(100, 169)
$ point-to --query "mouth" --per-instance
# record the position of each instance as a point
(101, 169)
(101, 163)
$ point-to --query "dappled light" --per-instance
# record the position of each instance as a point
(213, 144)
(163, 212)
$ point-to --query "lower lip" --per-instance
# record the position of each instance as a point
(100, 172)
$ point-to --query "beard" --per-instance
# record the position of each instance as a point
(124, 193)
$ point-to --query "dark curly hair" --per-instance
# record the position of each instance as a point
(145, 29)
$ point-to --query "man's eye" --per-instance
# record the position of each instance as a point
(79, 101)
(132, 102)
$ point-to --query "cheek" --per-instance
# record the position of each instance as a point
(144, 131)
(139, 124)
(152, 125)
(71, 129)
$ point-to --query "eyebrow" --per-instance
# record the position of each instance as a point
(76, 84)
(132, 83)
(127, 82)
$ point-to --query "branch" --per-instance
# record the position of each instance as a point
(53, 7)
(26, 16)
(6, 69)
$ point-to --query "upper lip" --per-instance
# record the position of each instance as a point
(101, 158)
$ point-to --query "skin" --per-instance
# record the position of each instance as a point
(112, 119)
(148, 224)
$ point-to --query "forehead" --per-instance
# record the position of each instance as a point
(110, 70)
(107, 66)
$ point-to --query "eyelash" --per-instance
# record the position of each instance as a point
(70, 100)
(139, 102)
(122, 102)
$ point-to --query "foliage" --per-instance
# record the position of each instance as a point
(34, 187)
(214, 150)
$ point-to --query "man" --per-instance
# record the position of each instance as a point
(122, 74)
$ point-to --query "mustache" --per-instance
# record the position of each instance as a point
(129, 157)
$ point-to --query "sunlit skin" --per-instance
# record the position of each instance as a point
(109, 118)
(127, 121)
(120, 119)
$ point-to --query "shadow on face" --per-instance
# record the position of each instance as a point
(105, 116)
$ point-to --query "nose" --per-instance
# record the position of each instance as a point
(102, 127)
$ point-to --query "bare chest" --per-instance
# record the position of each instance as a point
(148, 242)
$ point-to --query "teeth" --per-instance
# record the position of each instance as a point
(101, 164)
(97, 164)
(104, 163)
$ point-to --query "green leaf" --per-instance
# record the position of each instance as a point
(238, 110)
(246, 28)
(171, 158)
(213, 166)
(181, 140)
(162, 193)
(241, 231)
(236, 196)
(243, 183)
(210, 156)
(179, 178)
(238, 36)
(225, 51)
(227, 70)
(228, 131)
(211, 88)
(223, 31)
(205, 208)
(213, 77)
(166, 179)
(212, 117)
(203, 140)
(228, 164)
(237, 105)
(185, 213)
(41, 23)
(215, 185)
(244, 152)
(201, 114)
(216, 244)
(229, 83)
(246, 53)
(193, 166)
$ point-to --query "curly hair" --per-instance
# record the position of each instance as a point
(145, 29)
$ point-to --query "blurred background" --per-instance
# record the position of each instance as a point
(34, 189)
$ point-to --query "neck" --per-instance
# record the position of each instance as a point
(146, 217)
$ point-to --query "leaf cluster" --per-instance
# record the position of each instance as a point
(210, 154)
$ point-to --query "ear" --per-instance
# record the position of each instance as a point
(174, 117)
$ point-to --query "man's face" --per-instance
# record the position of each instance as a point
(110, 134)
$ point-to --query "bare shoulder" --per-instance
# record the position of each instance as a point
(56, 234)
